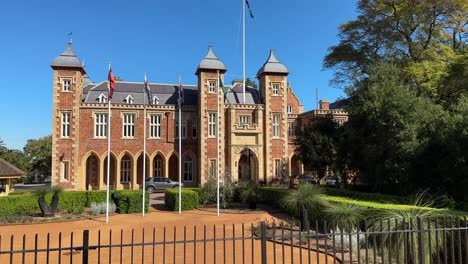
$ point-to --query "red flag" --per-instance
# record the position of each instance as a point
(111, 84)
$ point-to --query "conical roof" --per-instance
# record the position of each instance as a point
(67, 58)
(211, 62)
(272, 65)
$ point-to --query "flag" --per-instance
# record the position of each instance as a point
(248, 7)
(148, 91)
(181, 92)
(111, 84)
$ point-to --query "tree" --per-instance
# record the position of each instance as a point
(249, 82)
(39, 151)
(398, 31)
(316, 145)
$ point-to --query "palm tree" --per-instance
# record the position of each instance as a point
(248, 194)
(344, 216)
(306, 197)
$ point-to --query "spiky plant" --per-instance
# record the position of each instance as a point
(344, 216)
(299, 202)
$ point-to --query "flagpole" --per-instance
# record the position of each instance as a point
(217, 146)
(243, 51)
(180, 146)
(108, 147)
(144, 146)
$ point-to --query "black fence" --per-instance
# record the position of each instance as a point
(431, 240)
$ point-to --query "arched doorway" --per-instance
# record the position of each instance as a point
(159, 166)
(248, 166)
(139, 175)
(174, 167)
(113, 173)
(92, 172)
(126, 171)
(295, 166)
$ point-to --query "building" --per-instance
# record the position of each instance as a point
(256, 136)
(8, 172)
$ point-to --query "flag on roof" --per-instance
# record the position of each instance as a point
(148, 91)
(111, 83)
(248, 7)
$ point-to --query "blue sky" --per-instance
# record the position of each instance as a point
(162, 38)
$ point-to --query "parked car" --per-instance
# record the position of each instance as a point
(160, 183)
(331, 180)
(307, 179)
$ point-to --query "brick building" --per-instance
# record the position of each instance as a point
(256, 136)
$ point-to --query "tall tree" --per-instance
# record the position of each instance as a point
(249, 82)
(40, 152)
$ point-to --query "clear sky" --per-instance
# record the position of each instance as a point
(164, 38)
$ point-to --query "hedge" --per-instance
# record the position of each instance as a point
(17, 205)
(129, 201)
(190, 199)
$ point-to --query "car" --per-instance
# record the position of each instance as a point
(331, 180)
(160, 184)
(307, 179)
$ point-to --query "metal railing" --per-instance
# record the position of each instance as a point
(425, 241)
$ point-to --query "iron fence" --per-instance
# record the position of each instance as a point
(431, 240)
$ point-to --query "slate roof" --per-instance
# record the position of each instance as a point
(8, 169)
(67, 58)
(166, 93)
(272, 65)
(234, 95)
(211, 62)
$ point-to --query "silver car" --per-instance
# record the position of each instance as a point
(160, 183)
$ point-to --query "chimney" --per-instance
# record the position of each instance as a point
(324, 105)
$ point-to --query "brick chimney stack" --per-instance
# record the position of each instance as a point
(324, 105)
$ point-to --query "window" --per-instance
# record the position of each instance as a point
(155, 126)
(276, 125)
(66, 85)
(291, 129)
(102, 98)
(212, 168)
(158, 165)
(155, 100)
(244, 119)
(290, 109)
(184, 129)
(65, 170)
(211, 86)
(277, 168)
(66, 124)
(100, 125)
(129, 99)
(211, 124)
(128, 125)
(194, 127)
(125, 170)
(275, 88)
(188, 169)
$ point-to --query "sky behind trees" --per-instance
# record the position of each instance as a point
(163, 38)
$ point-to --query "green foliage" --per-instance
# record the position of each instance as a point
(18, 205)
(72, 201)
(248, 192)
(227, 191)
(95, 197)
(344, 216)
(130, 201)
(39, 152)
(190, 199)
(101, 208)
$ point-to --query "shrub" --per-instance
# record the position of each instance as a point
(18, 205)
(72, 201)
(129, 201)
(95, 197)
(190, 199)
(100, 208)
(227, 191)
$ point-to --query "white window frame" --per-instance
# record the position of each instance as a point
(277, 168)
(65, 121)
(128, 125)
(126, 170)
(66, 84)
(155, 126)
(211, 86)
(276, 125)
(129, 99)
(212, 125)
(188, 170)
(275, 88)
(65, 170)
(290, 109)
(102, 99)
(244, 119)
(100, 125)
(158, 167)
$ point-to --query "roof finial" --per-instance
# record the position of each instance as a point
(69, 38)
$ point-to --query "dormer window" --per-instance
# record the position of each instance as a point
(66, 85)
(275, 88)
(211, 86)
(102, 99)
(129, 99)
(155, 100)
(290, 109)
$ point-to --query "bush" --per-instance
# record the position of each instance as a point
(96, 197)
(18, 205)
(129, 201)
(72, 201)
(100, 208)
(190, 199)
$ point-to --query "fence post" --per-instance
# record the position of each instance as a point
(263, 240)
(85, 246)
(422, 255)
